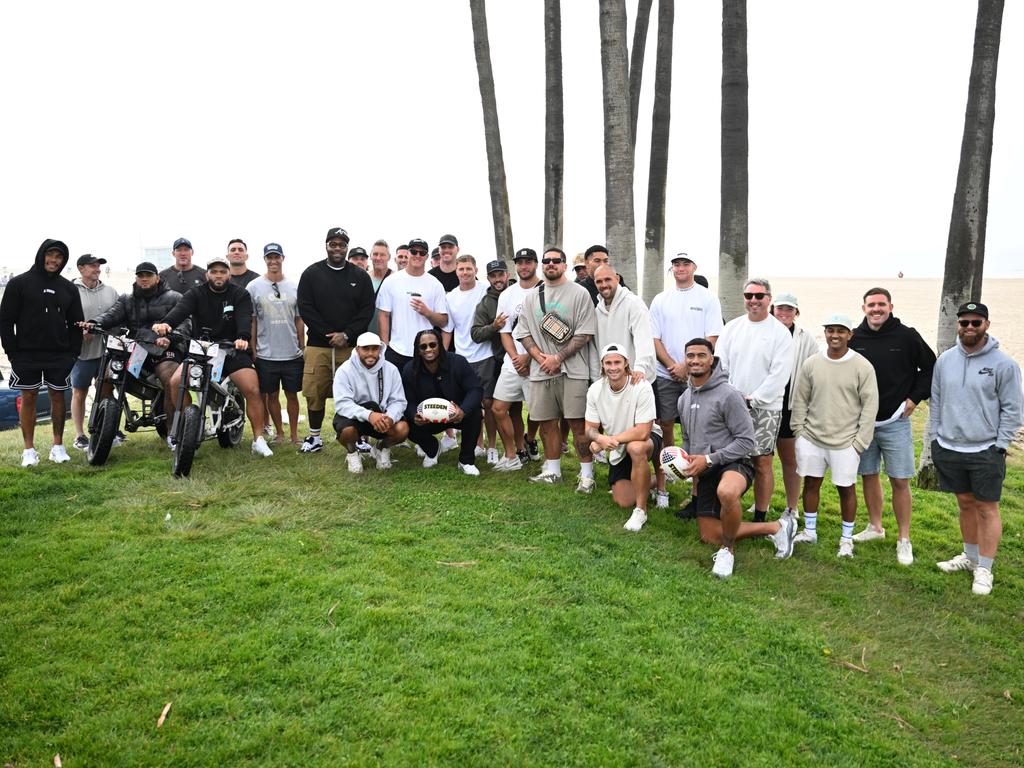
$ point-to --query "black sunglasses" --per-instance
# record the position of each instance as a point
(551, 261)
(971, 323)
(417, 252)
(277, 291)
(758, 296)
(429, 345)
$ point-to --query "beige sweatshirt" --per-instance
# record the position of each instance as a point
(835, 402)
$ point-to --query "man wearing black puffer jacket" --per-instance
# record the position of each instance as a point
(39, 331)
(903, 365)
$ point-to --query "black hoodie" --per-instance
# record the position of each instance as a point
(335, 300)
(902, 360)
(227, 313)
(40, 311)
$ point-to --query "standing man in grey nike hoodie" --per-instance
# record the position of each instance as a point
(975, 415)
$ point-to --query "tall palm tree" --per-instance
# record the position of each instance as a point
(620, 227)
(636, 64)
(965, 249)
(654, 233)
(554, 136)
(733, 225)
(492, 135)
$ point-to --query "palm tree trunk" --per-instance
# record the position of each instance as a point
(636, 64)
(654, 234)
(620, 227)
(492, 135)
(733, 224)
(554, 136)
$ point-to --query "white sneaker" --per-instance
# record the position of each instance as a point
(479, 452)
(601, 457)
(59, 455)
(260, 447)
(636, 520)
(448, 443)
(982, 581)
(546, 477)
(904, 552)
(430, 462)
(806, 537)
(355, 462)
(419, 451)
(784, 539)
(869, 534)
(506, 464)
(661, 499)
(959, 563)
(382, 456)
(845, 548)
(469, 469)
(492, 456)
(312, 444)
(29, 457)
(724, 561)
(170, 442)
(585, 484)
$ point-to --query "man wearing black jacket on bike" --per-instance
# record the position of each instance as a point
(225, 309)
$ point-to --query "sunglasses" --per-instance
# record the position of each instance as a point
(550, 261)
(428, 345)
(277, 291)
(971, 323)
(758, 296)
(417, 252)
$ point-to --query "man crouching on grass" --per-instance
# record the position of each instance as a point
(622, 404)
(718, 434)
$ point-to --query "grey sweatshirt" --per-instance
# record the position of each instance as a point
(976, 398)
(716, 420)
(354, 383)
(94, 301)
(627, 322)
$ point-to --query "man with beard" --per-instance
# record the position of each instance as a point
(595, 256)
(183, 275)
(226, 310)
(335, 301)
(238, 256)
(39, 317)
(487, 325)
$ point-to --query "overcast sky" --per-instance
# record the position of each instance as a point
(129, 124)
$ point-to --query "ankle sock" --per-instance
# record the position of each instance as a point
(971, 550)
(554, 466)
(847, 530)
(759, 516)
(587, 469)
(985, 562)
(811, 522)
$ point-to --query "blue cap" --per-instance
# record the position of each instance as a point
(181, 241)
(272, 248)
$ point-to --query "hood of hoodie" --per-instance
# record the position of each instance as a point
(991, 343)
(887, 327)
(717, 378)
(619, 297)
(357, 364)
(81, 285)
(40, 267)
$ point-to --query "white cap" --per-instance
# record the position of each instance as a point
(614, 349)
(368, 339)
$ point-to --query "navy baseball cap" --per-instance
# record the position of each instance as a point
(181, 241)
(270, 248)
(449, 240)
(496, 266)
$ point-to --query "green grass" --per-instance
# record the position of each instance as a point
(296, 615)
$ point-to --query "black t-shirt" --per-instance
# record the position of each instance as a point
(449, 280)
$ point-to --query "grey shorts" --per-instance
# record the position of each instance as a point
(484, 369)
(558, 398)
(766, 430)
(510, 386)
(666, 394)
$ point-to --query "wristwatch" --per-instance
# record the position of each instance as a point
(707, 458)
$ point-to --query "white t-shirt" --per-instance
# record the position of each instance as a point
(461, 308)
(618, 411)
(510, 303)
(681, 314)
(395, 296)
(758, 358)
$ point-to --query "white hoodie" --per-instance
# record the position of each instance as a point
(627, 322)
(354, 383)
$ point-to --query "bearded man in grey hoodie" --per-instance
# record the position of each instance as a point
(369, 401)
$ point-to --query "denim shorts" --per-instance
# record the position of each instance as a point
(893, 443)
(84, 373)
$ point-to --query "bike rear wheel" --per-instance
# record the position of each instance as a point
(104, 428)
(187, 441)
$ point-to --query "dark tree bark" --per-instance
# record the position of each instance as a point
(636, 64)
(492, 135)
(654, 233)
(733, 226)
(554, 137)
(620, 226)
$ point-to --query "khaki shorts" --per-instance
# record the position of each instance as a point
(510, 386)
(558, 398)
(318, 374)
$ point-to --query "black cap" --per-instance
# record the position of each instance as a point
(357, 251)
(144, 267)
(973, 308)
(417, 242)
(270, 248)
(449, 239)
(436, 253)
(181, 241)
(496, 266)
(402, 247)
(88, 258)
(525, 254)
(594, 249)
(334, 232)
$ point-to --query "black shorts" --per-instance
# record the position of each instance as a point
(980, 473)
(280, 374)
(28, 373)
(624, 469)
(236, 362)
(708, 504)
(396, 359)
(785, 430)
(362, 427)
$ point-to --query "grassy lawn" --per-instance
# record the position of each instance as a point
(296, 615)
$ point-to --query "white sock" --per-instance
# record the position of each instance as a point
(847, 530)
(587, 469)
(554, 467)
(811, 522)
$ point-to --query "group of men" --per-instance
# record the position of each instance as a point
(585, 356)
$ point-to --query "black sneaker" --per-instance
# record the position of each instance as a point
(362, 446)
(689, 512)
(534, 451)
(524, 456)
(81, 442)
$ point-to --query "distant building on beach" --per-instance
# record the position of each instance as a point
(162, 257)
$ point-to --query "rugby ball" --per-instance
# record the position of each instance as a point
(675, 461)
(436, 410)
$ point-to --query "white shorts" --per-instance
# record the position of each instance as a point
(812, 461)
(511, 387)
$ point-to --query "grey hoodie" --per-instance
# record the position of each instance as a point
(627, 322)
(354, 383)
(95, 301)
(716, 420)
(976, 398)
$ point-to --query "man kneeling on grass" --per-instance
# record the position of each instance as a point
(718, 434)
(624, 408)
(369, 401)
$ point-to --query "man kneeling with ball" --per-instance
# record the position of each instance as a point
(369, 401)
(622, 404)
(718, 435)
